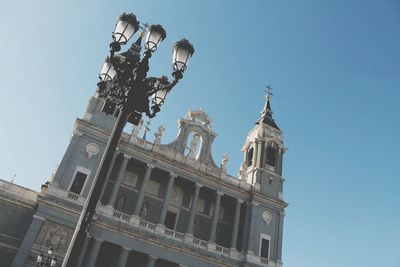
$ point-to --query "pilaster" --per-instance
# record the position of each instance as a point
(26, 245)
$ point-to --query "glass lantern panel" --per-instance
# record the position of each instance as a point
(107, 71)
(158, 97)
(152, 41)
(123, 32)
(180, 58)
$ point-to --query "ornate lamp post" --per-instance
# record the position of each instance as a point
(46, 261)
(124, 86)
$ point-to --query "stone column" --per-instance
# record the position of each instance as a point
(142, 191)
(193, 208)
(151, 261)
(235, 227)
(255, 153)
(214, 222)
(164, 208)
(84, 248)
(94, 252)
(280, 158)
(118, 181)
(123, 257)
(245, 160)
(280, 236)
(26, 245)
(108, 175)
(260, 149)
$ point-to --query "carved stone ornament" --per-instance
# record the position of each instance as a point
(54, 235)
(92, 149)
(267, 217)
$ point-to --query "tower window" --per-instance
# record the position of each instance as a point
(250, 157)
(78, 182)
(271, 156)
(264, 252)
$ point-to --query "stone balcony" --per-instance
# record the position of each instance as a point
(163, 233)
(142, 225)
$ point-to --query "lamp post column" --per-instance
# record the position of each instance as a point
(83, 252)
(108, 175)
(77, 240)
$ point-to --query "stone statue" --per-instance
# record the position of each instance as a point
(242, 171)
(159, 134)
(224, 163)
(194, 146)
(136, 130)
(121, 202)
(143, 211)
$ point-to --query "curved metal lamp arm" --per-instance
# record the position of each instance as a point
(154, 84)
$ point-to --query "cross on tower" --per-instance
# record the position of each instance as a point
(268, 91)
(146, 129)
(144, 26)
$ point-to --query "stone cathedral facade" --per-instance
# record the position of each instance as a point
(163, 204)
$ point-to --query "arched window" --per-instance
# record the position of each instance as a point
(271, 155)
(250, 157)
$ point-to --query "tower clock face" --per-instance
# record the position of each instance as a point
(92, 149)
(267, 217)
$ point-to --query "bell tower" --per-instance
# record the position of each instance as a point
(263, 155)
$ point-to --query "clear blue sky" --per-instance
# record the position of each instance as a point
(335, 70)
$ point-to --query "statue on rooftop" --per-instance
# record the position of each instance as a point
(159, 134)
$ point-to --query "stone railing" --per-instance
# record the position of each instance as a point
(20, 192)
(69, 196)
(121, 215)
(148, 225)
(200, 242)
(164, 232)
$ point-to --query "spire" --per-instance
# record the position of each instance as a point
(132, 55)
(137, 46)
(266, 114)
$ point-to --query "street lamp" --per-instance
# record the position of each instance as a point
(46, 261)
(124, 86)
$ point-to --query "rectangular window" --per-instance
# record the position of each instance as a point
(170, 220)
(130, 179)
(264, 252)
(200, 205)
(78, 182)
(153, 188)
